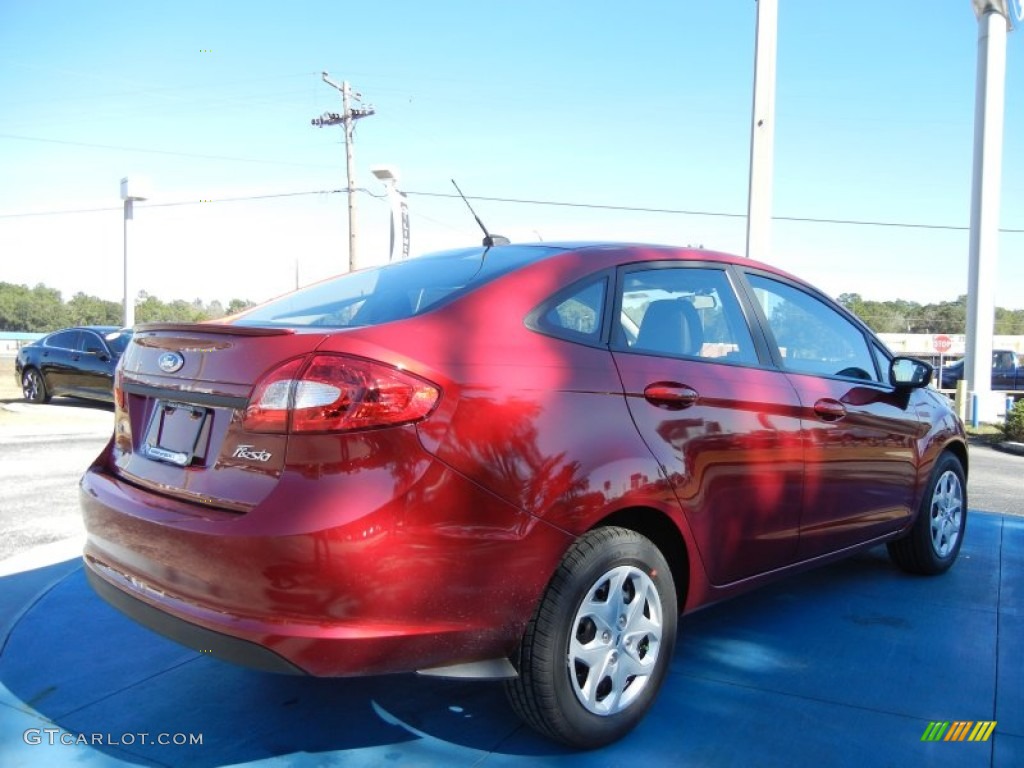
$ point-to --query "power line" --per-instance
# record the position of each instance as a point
(526, 201)
(684, 212)
(179, 203)
(57, 213)
(565, 204)
(248, 197)
(157, 151)
(137, 87)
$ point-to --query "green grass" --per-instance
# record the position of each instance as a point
(987, 433)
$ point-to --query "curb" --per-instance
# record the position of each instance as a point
(1010, 447)
(43, 555)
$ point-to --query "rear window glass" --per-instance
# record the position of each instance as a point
(393, 292)
(118, 340)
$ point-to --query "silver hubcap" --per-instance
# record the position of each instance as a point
(30, 385)
(615, 641)
(947, 511)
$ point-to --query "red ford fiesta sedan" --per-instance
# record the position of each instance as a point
(519, 462)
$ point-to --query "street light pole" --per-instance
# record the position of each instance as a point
(399, 209)
(993, 23)
(129, 195)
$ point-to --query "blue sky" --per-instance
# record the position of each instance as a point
(645, 106)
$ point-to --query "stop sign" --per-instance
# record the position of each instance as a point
(942, 344)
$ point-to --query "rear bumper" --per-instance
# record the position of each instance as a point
(325, 588)
(232, 649)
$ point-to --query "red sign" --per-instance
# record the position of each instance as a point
(942, 344)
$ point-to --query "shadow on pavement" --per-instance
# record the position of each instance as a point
(62, 402)
(845, 665)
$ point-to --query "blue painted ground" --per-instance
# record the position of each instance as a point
(844, 666)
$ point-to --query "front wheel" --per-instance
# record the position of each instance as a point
(33, 387)
(598, 646)
(933, 543)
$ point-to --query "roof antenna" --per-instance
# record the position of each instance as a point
(489, 239)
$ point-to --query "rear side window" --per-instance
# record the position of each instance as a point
(392, 292)
(63, 340)
(576, 314)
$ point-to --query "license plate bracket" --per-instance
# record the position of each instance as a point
(174, 431)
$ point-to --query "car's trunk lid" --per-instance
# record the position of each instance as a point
(181, 394)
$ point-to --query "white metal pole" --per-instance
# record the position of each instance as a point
(391, 190)
(985, 188)
(762, 133)
(129, 301)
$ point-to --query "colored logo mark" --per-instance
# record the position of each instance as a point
(959, 730)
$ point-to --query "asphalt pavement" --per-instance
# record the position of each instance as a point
(848, 665)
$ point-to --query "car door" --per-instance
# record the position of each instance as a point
(92, 373)
(1004, 370)
(55, 359)
(859, 433)
(724, 429)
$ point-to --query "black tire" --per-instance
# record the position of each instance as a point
(33, 387)
(933, 543)
(557, 692)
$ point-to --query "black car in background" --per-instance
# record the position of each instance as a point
(74, 362)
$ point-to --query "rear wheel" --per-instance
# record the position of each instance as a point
(933, 543)
(598, 647)
(33, 387)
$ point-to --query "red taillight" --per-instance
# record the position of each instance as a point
(336, 393)
(118, 389)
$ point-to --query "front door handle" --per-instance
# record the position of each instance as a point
(671, 395)
(829, 409)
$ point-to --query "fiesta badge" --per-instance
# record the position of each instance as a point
(170, 362)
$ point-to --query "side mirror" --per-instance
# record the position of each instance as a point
(910, 373)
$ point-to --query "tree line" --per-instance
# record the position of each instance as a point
(42, 309)
(947, 317)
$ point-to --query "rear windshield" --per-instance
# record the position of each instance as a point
(393, 292)
(118, 340)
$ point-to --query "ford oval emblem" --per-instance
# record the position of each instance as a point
(170, 362)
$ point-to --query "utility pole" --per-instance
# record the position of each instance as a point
(348, 119)
(762, 133)
(130, 193)
(993, 23)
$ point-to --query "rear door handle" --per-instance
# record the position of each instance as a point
(669, 394)
(829, 409)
